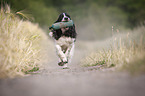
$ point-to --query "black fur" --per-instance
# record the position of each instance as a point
(60, 17)
(71, 32)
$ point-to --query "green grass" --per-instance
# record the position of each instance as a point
(32, 70)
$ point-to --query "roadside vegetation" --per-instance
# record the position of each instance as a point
(23, 43)
(126, 52)
(21, 48)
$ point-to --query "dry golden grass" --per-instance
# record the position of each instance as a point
(136, 65)
(20, 46)
(125, 52)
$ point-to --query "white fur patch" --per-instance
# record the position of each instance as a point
(64, 16)
(66, 41)
(65, 48)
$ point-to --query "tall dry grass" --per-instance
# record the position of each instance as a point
(126, 52)
(20, 45)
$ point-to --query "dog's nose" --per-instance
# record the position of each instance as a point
(66, 18)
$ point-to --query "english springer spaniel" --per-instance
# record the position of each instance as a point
(64, 41)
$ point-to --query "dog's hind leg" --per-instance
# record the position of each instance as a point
(69, 53)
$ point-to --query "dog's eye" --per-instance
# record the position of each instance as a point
(68, 15)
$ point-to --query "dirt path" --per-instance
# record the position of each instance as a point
(76, 81)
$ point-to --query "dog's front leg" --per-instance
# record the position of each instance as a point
(60, 53)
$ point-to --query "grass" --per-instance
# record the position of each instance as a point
(126, 52)
(136, 65)
(20, 46)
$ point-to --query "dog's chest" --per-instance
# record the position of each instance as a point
(64, 30)
(67, 41)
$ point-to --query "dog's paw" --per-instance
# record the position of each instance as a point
(60, 63)
(51, 34)
(66, 68)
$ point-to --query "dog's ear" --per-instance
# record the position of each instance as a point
(59, 18)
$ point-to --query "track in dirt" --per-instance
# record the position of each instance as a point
(76, 81)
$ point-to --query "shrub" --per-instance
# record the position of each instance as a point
(127, 51)
(20, 46)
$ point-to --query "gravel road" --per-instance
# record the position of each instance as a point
(76, 81)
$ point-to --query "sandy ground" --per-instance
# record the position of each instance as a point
(76, 81)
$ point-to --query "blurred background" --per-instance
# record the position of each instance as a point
(93, 18)
(110, 36)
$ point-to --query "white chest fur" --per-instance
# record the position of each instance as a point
(65, 41)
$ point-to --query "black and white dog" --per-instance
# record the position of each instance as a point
(64, 41)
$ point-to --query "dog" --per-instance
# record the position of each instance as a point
(65, 39)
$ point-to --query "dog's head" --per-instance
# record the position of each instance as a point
(65, 31)
(63, 17)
